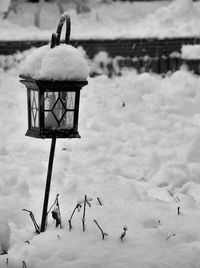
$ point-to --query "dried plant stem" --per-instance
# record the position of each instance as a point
(102, 232)
(55, 202)
(87, 201)
(24, 264)
(100, 203)
(157, 225)
(84, 210)
(77, 207)
(37, 228)
(70, 220)
(124, 233)
(170, 236)
(178, 210)
(176, 200)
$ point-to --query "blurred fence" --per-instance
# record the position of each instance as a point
(156, 55)
(149, 0)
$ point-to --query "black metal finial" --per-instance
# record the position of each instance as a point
(55, 40)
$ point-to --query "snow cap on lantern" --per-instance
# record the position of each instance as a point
(54, 77)
(63, 62)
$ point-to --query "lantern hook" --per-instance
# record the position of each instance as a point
(55, 39)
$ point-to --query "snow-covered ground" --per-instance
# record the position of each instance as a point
(139, 153)
(140, 145)
(177, 18)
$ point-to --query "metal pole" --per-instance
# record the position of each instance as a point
(48, 184)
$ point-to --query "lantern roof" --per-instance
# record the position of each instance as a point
(58, 62)
(51, 85)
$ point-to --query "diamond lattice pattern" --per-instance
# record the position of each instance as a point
(59, 110)
(34, 109)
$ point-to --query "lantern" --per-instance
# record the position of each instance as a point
(53, 108)
(54, 77)
(53, 105)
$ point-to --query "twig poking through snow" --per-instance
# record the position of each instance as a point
(37, 228)
(100, 203)
(178, 209)
(56, 215)
(24, 264)
(170, 236)
(175, 198)
(77, 207)
(84, 210)
(56, 212)
(157, 225)
(56, 199)
(88, 200)
(102, 232)
(124, 233)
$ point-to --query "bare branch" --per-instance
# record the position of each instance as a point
(169, 236)
(102, 232)
(99, 200)
(77, 207)
(124, 233)
(37, 228)
(84, 210)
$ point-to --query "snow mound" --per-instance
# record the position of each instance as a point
(190, 52)
(62, 62)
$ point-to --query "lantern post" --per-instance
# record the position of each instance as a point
(53, 109)
(48, 185)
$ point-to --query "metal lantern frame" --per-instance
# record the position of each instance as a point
(37, 92)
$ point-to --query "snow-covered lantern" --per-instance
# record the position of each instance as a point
(54, 76)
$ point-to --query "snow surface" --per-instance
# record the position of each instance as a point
(177, 18)
(190, 52)
(63, 62)
(140, 145)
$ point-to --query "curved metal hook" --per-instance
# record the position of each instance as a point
(55, 40)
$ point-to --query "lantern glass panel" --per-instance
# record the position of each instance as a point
(50, 120)
(68, 120)
(50, 99)
(34, 109)
(69, 99)
(59, 110)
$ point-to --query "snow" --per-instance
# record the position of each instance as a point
(62, 62)
(178, 18)
(190, 52)
(139, 146)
